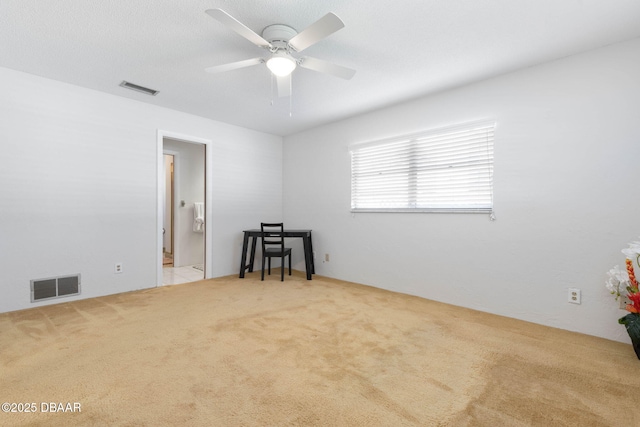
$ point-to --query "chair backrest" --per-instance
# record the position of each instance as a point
(272, 235)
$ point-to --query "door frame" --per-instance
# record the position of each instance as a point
(208, 198)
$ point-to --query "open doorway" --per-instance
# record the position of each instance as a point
(183, 211)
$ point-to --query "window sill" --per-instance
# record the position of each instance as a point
(427, 210)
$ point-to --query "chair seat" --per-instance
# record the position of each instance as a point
(277, 252)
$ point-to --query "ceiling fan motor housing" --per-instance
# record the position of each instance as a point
(279, 35)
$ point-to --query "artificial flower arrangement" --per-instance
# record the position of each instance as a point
(623, 283)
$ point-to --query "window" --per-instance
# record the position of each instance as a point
(442, 170)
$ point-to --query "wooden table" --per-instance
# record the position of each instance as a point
(305, 235)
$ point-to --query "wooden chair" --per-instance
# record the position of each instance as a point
(273, 246)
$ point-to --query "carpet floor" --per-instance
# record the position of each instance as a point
(241, 352)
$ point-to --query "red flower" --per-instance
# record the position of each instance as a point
(632, 275)
(635, 299)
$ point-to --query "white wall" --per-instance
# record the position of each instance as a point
(567, 171)
(80, 187)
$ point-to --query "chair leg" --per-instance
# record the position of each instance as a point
(269, 266)
(289, 264)
(262, 270)
(282, 269)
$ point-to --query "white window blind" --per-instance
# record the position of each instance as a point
(443, 170)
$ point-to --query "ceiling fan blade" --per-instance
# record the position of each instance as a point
(315, 32)
(284, 86)
(327, 68)
(234, 65)
(237, 26)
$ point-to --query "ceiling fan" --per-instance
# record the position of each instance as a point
(282, 41)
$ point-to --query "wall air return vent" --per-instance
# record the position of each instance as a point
(55, 287)
(138, 88)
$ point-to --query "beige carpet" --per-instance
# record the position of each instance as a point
(240, 352)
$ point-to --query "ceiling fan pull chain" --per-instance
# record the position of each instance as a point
(272, 89)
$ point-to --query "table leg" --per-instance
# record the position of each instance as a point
(308, 255)
(313, 263)
(243, 257)
(253, 254)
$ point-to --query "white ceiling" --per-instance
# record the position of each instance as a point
(401, 50)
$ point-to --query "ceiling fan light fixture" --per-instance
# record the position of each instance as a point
(281, 64)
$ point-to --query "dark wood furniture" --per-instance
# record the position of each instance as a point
(273, 247)
(254, 234)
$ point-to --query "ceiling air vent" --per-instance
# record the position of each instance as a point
(55, 287)
(138, 88)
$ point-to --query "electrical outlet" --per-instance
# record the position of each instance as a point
(326, 257)
(118, 268)
(624, 301)
(575, 295)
